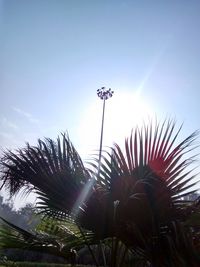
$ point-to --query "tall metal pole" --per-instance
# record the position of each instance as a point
(104, 94)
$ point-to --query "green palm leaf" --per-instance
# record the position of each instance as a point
(53, 171)
(148, 179)
(12, 236)
(51, 236)
(136, 202)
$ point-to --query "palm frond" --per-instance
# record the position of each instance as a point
(151, 150)
(147, 177)
(55, 172)
(51, 236)
(12, 236)
(135, 205)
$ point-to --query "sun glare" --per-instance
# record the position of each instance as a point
(122, 113)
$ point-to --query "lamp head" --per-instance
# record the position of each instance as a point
(104, 93)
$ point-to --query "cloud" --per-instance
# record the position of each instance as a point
(9, 140)
(6, 135)
(5, 122)
(26, 115)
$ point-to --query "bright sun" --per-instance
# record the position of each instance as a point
(123, 112)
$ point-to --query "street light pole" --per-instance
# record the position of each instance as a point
(103, 94)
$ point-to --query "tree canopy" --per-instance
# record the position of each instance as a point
(134, 209)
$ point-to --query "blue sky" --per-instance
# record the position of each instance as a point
(54, 55)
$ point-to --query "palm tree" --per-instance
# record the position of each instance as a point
(134, 209)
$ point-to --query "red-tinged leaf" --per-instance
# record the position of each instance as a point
(184, 189)
(176, 179)
(136, 148)
(152, 156)
(128, 154)
(141, 153)
(171, 164)
(169, 145)
(181, 185)
(131, 149)
(158, 141)
(149, 144)
(183, 165)
(146, 135)
(165, 139)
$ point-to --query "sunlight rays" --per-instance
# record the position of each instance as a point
(123, 112)
(84, 195)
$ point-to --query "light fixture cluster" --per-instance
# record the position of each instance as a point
(104, 93)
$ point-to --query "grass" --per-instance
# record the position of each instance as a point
(37, 264)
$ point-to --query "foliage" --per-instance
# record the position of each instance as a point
(133, 209)
(24, 217)
(38, 264)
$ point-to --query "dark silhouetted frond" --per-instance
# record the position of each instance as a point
(54, 170)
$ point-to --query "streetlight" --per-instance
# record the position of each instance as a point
(103, 94)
